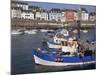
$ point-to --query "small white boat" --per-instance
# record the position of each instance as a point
(75, 31)
(63, 31)
(85, 31)
(45, 30)
(30, 31)
(15, 32)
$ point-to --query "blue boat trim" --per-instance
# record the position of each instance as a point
(67, 59)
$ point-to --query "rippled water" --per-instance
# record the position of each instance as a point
(22, 58)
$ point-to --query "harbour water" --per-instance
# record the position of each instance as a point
(22, 60)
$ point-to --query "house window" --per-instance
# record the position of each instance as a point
(27, 15)
(51, 16)
(54, 16)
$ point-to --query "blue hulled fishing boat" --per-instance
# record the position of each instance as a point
(63, 50)
(58, 58)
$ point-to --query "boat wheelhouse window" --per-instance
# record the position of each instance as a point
(64, 43)
(60, 35)
(57, 41)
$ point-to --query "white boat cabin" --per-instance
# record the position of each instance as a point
(67, 45)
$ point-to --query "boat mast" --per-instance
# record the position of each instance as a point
(79, 22)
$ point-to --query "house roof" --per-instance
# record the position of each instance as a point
(19, 2)
(92, 14)
(55, 10)
(34, 7)
(16, 8)
(69, 10)
(27, 11)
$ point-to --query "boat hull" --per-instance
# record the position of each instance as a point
(50, 60)
(15, 32)
(30, 32)
(51, 63)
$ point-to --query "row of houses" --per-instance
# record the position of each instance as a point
(24, 11)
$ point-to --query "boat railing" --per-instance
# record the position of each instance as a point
(65, 54)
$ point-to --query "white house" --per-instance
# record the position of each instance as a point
(76, 17)
(37, 15)
(13, 4)
(44, 16)
(55, 14)
(63, 19)
(92, 16)
(84, 16)
(41, 15)
(22, 4)
(15, 12)
(26, 14)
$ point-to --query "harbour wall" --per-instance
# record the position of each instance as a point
(38, 24)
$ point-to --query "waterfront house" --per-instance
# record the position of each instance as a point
(44, 16)
(84, 16)
(63, 19)
(55, 15)
(76, 18)
(41, 15)
(16, 12)
(27, 14)
(22, 4)
(37, 15)
(71, 15)
(34, 8)
(92, 16)
(13, 4)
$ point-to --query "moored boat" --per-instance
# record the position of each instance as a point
(54, 58)
(60, 41)
(84, 31)
(30, 31)
(63, 50)
(15, 32)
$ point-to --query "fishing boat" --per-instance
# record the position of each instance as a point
(46, 30)
(63, 51)
(62, 41)
(54, 57)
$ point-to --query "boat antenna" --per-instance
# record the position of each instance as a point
(79, 22)
(78, 28)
